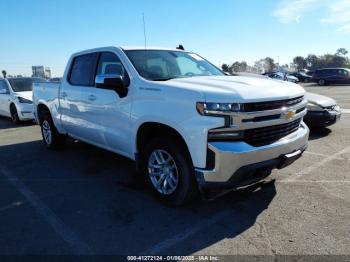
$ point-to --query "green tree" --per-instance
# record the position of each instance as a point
(312, 62)
(299, 62)
(4, 73)
(341, 52)
(269, 64)
(225, 67)
(238, 67)
(243, 66)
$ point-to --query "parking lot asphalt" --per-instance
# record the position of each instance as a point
(84, 200)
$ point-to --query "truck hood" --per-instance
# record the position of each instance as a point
(320, 100)
(27, 95)
(239, 88)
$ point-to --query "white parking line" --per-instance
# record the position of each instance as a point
(158, 248)
(55, 222)
(345, 111)
(317, 165)
(315, 181)
(323, 155)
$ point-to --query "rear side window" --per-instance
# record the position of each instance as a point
(83, 70)
(319, 72)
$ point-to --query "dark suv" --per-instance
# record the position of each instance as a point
(331, 76)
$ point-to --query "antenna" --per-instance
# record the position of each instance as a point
(144, 29)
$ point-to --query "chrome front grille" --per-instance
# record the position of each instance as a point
(268, 123)
(271, 105)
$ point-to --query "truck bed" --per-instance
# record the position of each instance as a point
(46, 93)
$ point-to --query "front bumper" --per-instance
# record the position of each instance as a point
(25, 111)
(234, 160)
(322, 118)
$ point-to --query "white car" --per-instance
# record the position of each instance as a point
(186, 124)
(16, 98)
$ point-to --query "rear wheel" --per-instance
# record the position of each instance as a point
(52, 139)
(14, 114)
(321, 82)
(170, 172)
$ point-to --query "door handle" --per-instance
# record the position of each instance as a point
(92, 98)
(63, 94)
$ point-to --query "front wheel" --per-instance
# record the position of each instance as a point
(51, 138)
(14, 114)
(170, 172)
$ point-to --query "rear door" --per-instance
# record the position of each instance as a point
(4, 99)
(74, 116)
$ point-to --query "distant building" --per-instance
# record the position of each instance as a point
(41, 71)
(38, 71)
(47, 72)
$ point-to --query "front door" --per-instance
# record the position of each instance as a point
(106, 111)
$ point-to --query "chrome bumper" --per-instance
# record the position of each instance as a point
(231, 157)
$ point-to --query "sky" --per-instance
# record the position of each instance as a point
(44, 32)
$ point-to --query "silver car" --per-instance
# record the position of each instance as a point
(322, 111)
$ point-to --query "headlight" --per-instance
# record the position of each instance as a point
(217, 109)
(24, 101)
(313, 107)
(332, 108)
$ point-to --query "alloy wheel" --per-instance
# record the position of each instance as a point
(163, 172)
(47, 132)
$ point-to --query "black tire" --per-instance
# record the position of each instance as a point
(186, 189)
(306, 80)
(321, 82)
(55, 139)
(14, 114)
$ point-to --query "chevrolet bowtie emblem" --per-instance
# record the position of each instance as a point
(289, 115)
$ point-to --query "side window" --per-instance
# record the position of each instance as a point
(110, 64)
(82, 70)
(3, 85)
(333, 72)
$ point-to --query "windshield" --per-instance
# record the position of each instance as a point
(24, 84)
(161, 65)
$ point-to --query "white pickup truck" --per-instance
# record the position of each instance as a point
(187, 125)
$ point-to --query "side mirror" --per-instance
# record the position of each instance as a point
(112, 82)
(3, 91)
